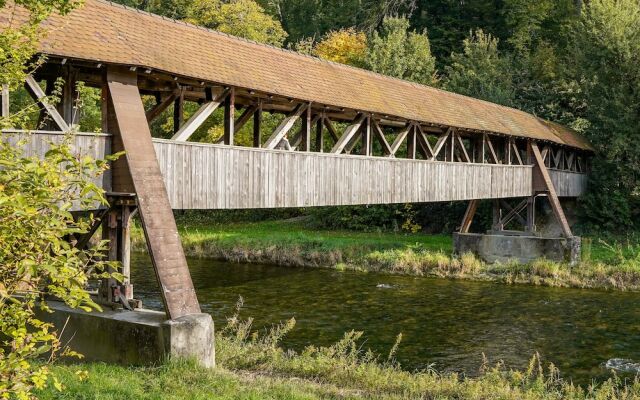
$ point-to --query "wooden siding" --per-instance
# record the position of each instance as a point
(95, 145)
(568, 184)
(205, 176)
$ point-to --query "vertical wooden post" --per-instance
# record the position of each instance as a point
(497, 216)
(305, 144)
(319, 138)
(531, 214)
(452, 146)
(229, 115)
(366, 137)
(178, 111)
(257, 121)
(110, 234)
(67, 105)
(411, 143)
(4, 101)
(468, 216)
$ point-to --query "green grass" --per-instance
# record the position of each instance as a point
(251, 366)
(292, 243)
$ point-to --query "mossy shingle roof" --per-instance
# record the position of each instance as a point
(105, 32)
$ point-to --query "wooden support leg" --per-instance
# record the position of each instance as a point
(468, 216)
(542, 180)
(155, 212)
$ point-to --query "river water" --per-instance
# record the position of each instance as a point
(447, 324)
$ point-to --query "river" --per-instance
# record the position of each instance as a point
(446, 324)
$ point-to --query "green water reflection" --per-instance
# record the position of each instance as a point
(445, 323)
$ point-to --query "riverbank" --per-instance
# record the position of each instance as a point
(253, 366)
(292, 243)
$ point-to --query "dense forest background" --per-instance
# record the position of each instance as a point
(571, 61)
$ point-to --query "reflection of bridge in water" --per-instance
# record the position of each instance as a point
(346, 136)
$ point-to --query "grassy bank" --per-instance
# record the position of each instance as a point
(252, 366)
(292, 243)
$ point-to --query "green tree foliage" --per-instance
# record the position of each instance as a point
(480, 70)
(36, 195)
(314, 18)
(37, 260)
(244, 18)
(396, 51)
(450, 21)
(606, 58)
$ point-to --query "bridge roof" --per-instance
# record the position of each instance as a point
(105, 32)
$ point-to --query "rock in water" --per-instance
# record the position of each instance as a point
(622, 364)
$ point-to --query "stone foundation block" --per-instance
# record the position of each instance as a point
(139, 337)
(502, 248)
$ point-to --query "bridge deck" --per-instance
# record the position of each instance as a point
(209, 176)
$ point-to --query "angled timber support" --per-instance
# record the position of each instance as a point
(160, 107)
(542, 183)
(379, 134)
(468, 216)
(348, 134)
(400, 138)
(199, 117)
(38, 95)
(285, 126)
(140, 171)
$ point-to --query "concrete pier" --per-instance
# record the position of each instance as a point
(502, 248)
(139, 337)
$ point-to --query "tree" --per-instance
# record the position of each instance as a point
(480, 71)
(346, 46)
(313, 18)
(36, 257)
(398, 52)
(450, 21)
(244, 18)
(606, 63)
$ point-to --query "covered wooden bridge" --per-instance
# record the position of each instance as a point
(346, 135)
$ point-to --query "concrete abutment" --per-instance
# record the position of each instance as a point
(139, 337)
(522, 248)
